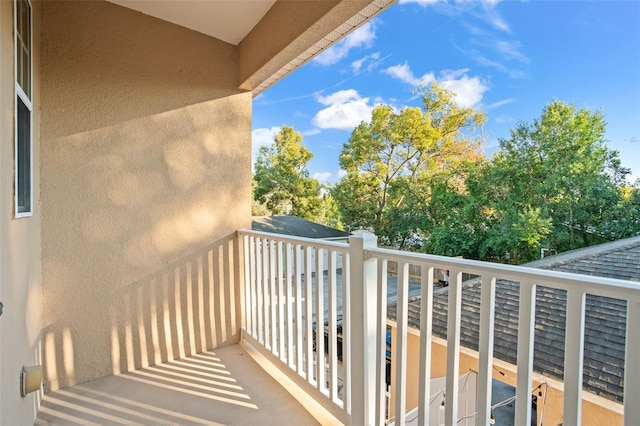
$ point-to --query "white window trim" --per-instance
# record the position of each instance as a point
(27, 102)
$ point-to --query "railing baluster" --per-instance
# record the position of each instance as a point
(526, 327)
(333, 326)
(453, 347)
(259, 286)
(346, 331)
(573, 357)
(265, 293)
(426, 326)
(273, 285)
(632, 361)
(485, 348)
(245, 315)
(401, 345)
(319, 320)
(281, 299)
(290, 324)
(299, 321)
(381, 360)
(308, 307)
(253, 281)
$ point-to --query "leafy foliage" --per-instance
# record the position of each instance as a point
(553, 183)
(281, 181)
(391, 161)
(419, 182)
(418, 179)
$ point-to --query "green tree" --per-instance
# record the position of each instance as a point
(391, 160)
(624, 219)
(329, 214)
(552, 182)
(460, 220)
(281, 179)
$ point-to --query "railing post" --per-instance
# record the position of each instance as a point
(362, 285)
(526, 331)
(574, 357)
(631, 361)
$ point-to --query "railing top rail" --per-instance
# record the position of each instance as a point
(324, 244)
(600, 286)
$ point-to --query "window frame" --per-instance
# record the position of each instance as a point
(21, 95)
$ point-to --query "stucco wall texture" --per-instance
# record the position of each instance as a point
(20, 273)
(146, 175)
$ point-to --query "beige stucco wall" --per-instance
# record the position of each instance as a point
(146, 152)
(596, 410)
(20, 278)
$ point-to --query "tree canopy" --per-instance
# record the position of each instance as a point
(418, 178)
(281, 181)
(391, 161)
(553, 184)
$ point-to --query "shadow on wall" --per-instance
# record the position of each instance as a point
(188, 307)
(145, 162)
(135, 64)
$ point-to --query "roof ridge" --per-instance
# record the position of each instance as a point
(584, 252)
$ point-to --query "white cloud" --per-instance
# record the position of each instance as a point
(494, 19)
(491, 15)
(356, 65)
(322, 177)
(372, 62)
(504, 55)
(500, 103)
(497, 22)
(311, 132)
(360, 37)
(487, 12)
(328, 177)
(500, 66)
(341, 96)
(344, 110)
(261, 137)
(367, 63)
(403, 73)
(511, 50)
(468, 90)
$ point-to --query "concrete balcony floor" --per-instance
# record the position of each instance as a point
(222, 386)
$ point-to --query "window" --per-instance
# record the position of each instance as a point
(23, 110)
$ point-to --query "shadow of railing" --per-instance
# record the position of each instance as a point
(189, 307)
(187, 391)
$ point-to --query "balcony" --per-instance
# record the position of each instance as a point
(217, 387)
(294, 287)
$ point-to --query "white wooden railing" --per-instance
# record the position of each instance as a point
(280, 297)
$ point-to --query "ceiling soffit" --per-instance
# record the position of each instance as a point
(294, 61)
(227, 20)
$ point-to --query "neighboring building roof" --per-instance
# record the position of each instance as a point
(605, 318)
(618, 259)
(298, 227)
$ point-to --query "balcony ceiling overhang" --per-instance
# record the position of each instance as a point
(227, 20)
(273, 37)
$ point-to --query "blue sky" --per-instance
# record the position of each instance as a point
(508, 58)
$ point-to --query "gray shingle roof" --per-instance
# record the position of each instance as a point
(605, 318)
(292, 225)
(618, 259)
